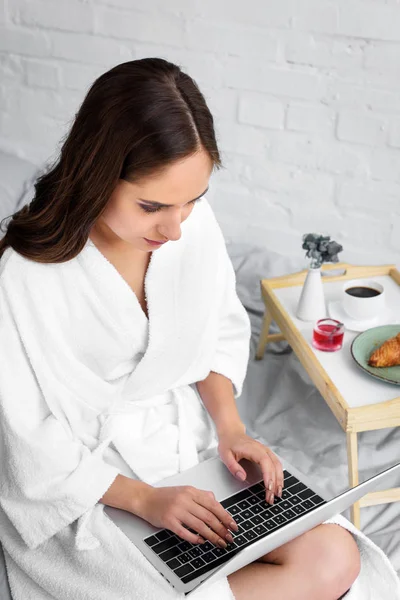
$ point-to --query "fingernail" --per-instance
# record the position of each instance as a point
(229, 538)
(271, 498)
(280, 491)
(233, 526)
(241, 475)
(270, 485)
(222, 544)
(200, 540)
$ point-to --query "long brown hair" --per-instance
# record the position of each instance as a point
(136, 120)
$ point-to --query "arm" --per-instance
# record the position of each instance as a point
(216, 392)
(126, 493)
(232, 347)
(48, 477)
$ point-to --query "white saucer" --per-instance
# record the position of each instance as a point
(336, 311)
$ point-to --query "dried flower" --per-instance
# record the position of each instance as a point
(320, 249)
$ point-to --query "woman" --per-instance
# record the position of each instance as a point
(125, 348)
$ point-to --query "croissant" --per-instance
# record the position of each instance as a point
(387, 355)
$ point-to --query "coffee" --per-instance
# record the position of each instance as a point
(362, 292)
(363, 299)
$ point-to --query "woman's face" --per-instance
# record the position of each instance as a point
(130, 215)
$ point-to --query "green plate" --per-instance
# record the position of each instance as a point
(365, 343)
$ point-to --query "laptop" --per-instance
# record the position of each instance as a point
(262, 527)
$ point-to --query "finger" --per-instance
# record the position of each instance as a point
(279, 479)
(212, 522)
(207, 533)
(183, 532)
(213, 506)
(263, 459)
(233, 466)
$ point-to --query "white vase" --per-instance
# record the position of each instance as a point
(311, 306)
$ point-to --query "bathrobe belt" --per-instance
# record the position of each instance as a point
(152, 447)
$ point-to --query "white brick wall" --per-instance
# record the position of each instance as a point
(305, 96)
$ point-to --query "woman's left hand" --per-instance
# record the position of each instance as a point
(233, 446)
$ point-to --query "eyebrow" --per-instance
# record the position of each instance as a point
(154, 203)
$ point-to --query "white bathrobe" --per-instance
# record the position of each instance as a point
(89, 388)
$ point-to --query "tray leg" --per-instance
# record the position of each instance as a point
(352, 457)
(264, 334)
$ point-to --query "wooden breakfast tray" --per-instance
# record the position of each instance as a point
(358, 401)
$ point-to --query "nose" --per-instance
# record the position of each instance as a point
(171, 226)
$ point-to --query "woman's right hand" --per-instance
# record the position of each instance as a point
(178, 507)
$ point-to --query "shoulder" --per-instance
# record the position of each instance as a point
(15, 266)
(27, 276)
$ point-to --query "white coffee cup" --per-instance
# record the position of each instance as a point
(363, 305)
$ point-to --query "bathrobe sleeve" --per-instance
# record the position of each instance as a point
(48, 478)
(234, 328)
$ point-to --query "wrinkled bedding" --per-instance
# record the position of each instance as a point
(280, 404)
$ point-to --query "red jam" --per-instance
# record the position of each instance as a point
(328, 335)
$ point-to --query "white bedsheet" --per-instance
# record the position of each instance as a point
(280, 404)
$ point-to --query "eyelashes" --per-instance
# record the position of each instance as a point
(147, 209)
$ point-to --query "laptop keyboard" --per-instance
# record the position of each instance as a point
(255, 517)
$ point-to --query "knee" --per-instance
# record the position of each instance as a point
(339, 560)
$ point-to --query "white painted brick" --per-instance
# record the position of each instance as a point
(379, 79)
(69, 16)
(294, 184)
(94, 50)
(25, 42)
(360, 128)
(246, 58)
(385, 164)
(318, 119)
(328, 155)
(222, 103)
(242, 139)
(268, 13)
(384, 56)
(286, 241)
(315, 15)
(362, 230)
(372, 196)
(135, 25)
(11, 69)
(205, 69)
(365, 19)
(342, 93)
(153, 6)
(289, 82)
(381, 100)
(256, 109)
(376, 78)
(41, 74)
(232, 168)
(266, 209)
(233, 39)
(79, 77)
(395, 235)
(317, 218)
(47, 103)
(394, 133)
(22, 128)
(235, 196)
(303, 48)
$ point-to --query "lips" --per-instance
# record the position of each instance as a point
(154, 241)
